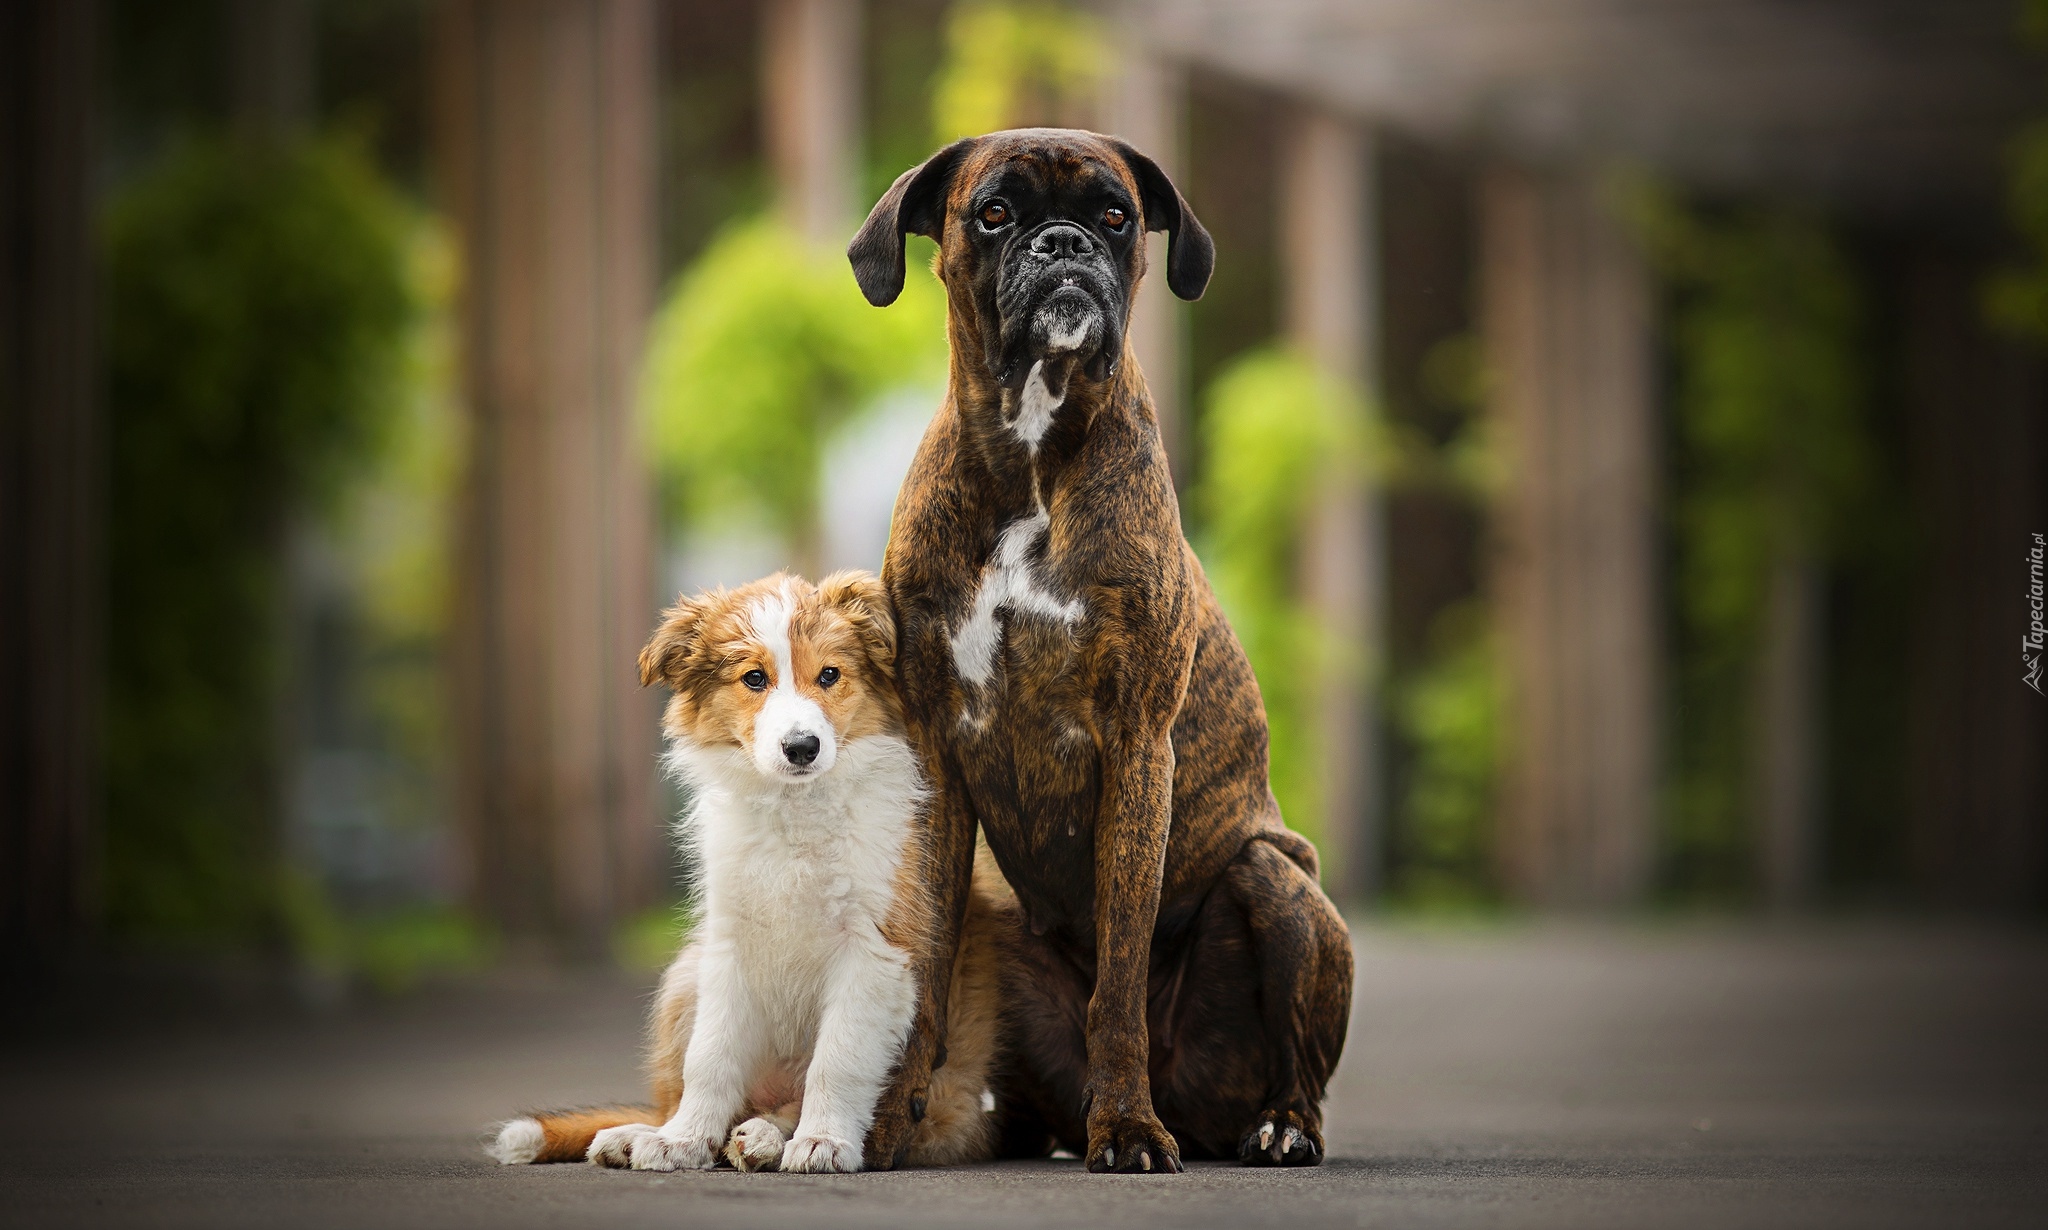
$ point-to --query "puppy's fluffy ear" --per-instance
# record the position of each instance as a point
(859, 596)
(673, 642)
(1190, 253)
(914, 205)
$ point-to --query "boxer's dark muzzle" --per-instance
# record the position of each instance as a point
(1060, 294)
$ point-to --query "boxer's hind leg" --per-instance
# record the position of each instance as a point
(1304, 954)
(1249, 1023)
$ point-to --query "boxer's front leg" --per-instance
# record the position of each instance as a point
(949, 847)
(1124, 1133)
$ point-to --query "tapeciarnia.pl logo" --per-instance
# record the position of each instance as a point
(2030, 644)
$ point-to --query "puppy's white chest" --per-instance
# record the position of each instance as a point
(1009, 584)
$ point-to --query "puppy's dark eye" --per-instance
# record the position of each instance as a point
(1113, 218)
(755, 679)
(994, 215)
(828, 676)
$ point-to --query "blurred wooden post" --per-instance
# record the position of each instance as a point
(273, 66)
(548, 114)
(1977, 785)
(1329, 267)
(810, 101)
(50, 476)
(1787, 752)
(1148, 108)
(811, 78)
(1566, 313)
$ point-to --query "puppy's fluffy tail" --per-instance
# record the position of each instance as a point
(561, 1135)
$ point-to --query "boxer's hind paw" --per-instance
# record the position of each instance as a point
(1281, 1138)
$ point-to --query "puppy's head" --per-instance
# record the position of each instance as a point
(1040, 234)
(782, 674)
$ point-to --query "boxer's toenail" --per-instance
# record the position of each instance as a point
(1287, 1140)
(1145, 1160)
(1266, 1136)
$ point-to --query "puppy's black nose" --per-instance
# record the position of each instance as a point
(1062, 241)
(801, 749)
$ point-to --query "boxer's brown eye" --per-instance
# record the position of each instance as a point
(994, 214)
(1113, 218)
(755, 679)
(828, 676)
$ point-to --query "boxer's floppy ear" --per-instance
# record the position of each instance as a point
(1190, 253)
(914, 205)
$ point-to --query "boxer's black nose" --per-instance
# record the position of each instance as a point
(1062, 240)
(801, 749)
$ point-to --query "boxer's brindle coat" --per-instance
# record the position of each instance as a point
(1074, 689)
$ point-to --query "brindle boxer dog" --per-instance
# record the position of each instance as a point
(1183, 983)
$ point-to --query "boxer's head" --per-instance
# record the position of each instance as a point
(1040, 243)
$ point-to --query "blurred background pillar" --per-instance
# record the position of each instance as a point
(1978, 777)
(1566, 316)
(1787, 753)
(811, 104)
(547, 157)
(1330, 275)
(273, 66)
(1148, 108)
(50, 476)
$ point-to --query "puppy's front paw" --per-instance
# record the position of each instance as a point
(755, 1145)
(614, 1146)
(673, 1151)
(820, 1155)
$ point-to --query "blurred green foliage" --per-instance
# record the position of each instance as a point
(390, 951)
(1012, 64)
(1278, 432)
(1773, 460)
(393, 531)
(648, 941)
(258, 306)
(2016, 299)
(763, 346)
(1452, 712)
(1449, 709)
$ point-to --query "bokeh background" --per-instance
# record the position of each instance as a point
(1615, 429)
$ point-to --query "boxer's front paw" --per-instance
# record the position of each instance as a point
(1281, 1138)
(1133, 1144)
(666, 1150)
(817, 1154)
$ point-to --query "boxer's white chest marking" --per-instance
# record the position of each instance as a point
(1007, 584)
(1007, 581)
(1037, 406)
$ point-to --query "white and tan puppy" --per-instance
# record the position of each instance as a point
(780, 1020)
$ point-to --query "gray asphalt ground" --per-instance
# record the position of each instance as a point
(1550, 1074)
